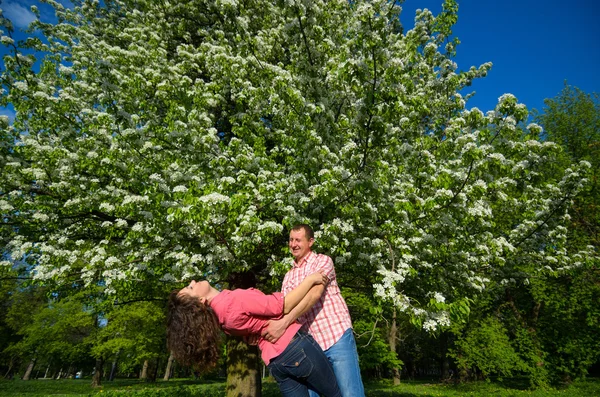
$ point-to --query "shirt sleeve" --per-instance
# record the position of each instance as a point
(285, 286)
(324, 263)
(254, 303)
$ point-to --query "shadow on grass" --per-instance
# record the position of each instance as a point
(517, 383)
(270, 389)
(82, 387)
(386, 388)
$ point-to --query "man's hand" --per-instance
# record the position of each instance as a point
(274, 329)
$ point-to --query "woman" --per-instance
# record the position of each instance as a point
(198, 312)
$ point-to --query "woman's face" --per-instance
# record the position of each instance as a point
(198, 290)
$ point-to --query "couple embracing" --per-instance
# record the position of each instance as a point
(304, 333)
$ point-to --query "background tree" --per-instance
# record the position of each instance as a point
(134, 335)
(547, 320)
(53, 332)
(21, 304)
(13, 295)
(8, 336)
(572, 119)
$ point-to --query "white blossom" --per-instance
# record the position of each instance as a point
(180, 189)
(6, 40)
(41, 217)
(107, 207)
(214, 198)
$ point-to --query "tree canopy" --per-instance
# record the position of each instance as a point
(161, 141)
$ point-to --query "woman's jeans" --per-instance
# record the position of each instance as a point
(344, 358)
(302, 365)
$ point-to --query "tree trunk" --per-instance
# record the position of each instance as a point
(29, 369)
(444, 363)
(114, 366)
(97, 378)
(144, 373)
(152, 370)
(169, 368)
(392, 342)
(8, 374)
(243, 374)
(393, 330)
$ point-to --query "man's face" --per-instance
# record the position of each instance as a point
(299, 244)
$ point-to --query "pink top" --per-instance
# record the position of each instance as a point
(244, 312)
(329, 318)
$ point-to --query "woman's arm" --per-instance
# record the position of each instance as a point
(276, 328)
(292, 299)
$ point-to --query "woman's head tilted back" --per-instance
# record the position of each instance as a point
(193, 331)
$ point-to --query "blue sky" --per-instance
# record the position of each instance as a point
(534, 45)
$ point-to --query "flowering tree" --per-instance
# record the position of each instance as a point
(161, 141)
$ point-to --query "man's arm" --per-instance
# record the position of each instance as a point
(275, 328)
(293, 299)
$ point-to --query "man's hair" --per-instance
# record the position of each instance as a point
(308, 232)
(193, 332)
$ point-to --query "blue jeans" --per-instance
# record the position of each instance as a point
(302, 365)
(344, 358)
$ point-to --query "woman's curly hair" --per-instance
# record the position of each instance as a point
(193, 332)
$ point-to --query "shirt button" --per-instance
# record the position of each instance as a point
(297, 363)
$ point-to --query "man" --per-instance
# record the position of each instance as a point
(323, 312)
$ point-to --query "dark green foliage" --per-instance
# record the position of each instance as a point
(572, 119)
(51, 330)
(569, 324)
(547, 327)
(136, 332)
(487, 347)
(371, 327)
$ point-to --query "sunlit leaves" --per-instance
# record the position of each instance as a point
(165, 143)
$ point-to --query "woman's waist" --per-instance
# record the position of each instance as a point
(271, 350)
(297, 342)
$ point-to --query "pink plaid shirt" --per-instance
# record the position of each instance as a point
(329, 318)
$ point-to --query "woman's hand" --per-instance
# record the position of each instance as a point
(318, 278)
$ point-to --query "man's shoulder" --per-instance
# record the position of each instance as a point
(312, 260)
(322, 256)
(316, 258)
(290, 271)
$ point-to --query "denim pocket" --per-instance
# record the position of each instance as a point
(297, 364)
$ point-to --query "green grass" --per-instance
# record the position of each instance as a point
(187, 387)
(587, 388)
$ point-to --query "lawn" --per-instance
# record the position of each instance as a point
(187, 387)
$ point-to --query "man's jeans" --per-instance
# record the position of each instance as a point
(344, 358)
(301, 365)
